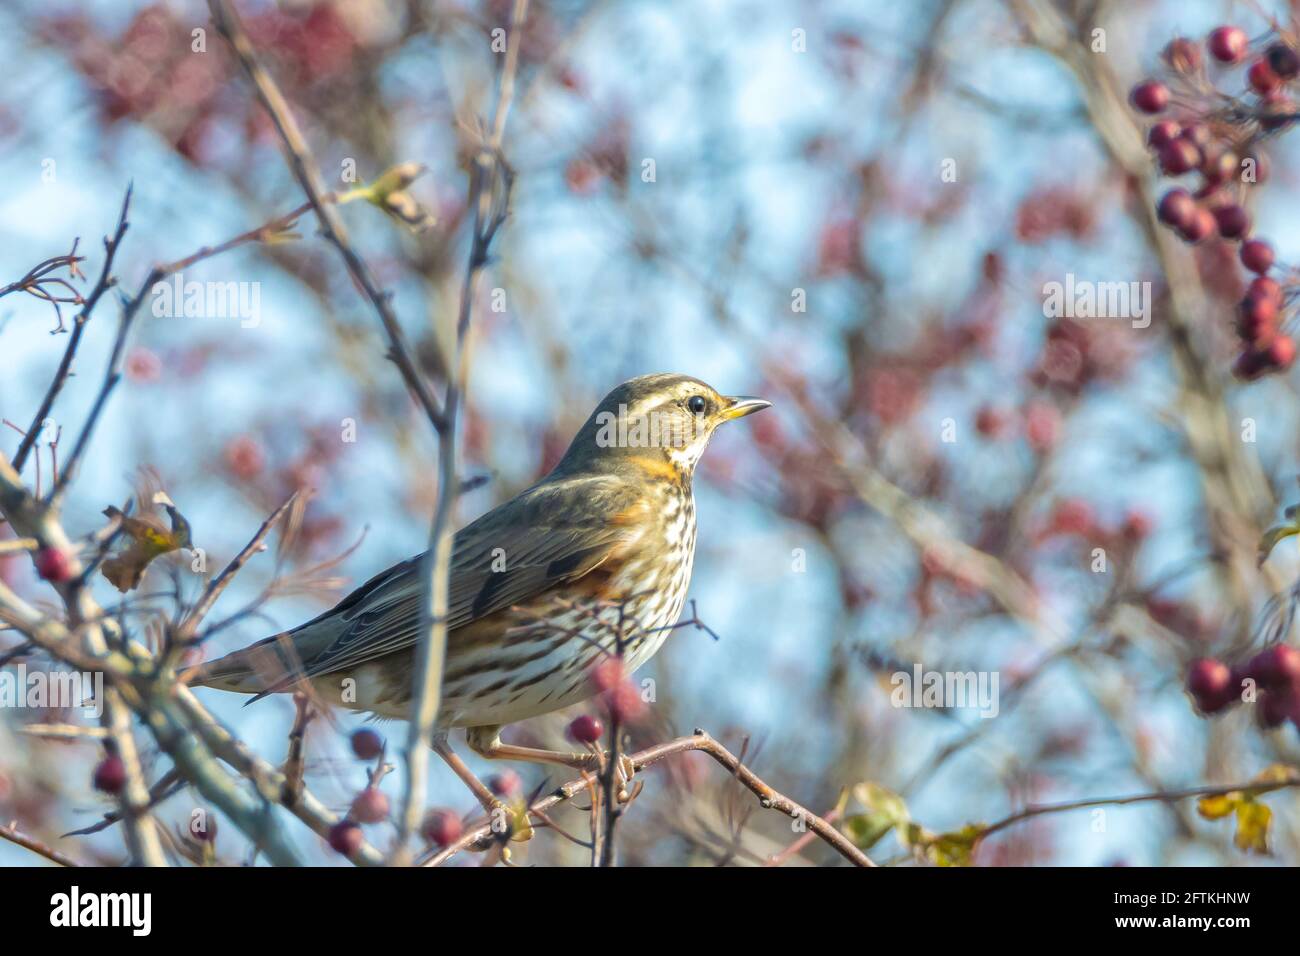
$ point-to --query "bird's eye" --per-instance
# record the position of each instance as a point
(697, 404)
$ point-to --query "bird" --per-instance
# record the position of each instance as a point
(592, 561)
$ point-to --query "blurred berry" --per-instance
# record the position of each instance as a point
(1180, 156)
(110, 774)
(1209, 681)
(370, 806)
(244, 458)
(1261, 77)
(1277, 666)
(625, 703)
(142, 365)
(1163, 133)
(607, 674)
(1177, 208)
(367, 744)
(1201, 227)
(53, 564)
(1150, 96)
(441, 827)
(346, 837)
(506, 784)
(1257, 255)
(1283, 60)
(1232, 220)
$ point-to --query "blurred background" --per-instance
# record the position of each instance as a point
(849, 208)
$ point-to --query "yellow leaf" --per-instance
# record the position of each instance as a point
(1276, 773)
(1215, 808)
(1253, 819)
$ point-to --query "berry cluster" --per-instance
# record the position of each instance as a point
(1209, 133)
(1274, 671)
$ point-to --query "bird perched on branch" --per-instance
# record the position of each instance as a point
(592, 561)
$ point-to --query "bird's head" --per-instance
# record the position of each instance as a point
(660, 423)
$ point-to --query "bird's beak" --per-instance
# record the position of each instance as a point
(738, 406)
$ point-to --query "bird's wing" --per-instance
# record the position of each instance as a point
(553, 533)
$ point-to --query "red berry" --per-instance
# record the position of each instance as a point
(1257, 255)
(1232, 220)
(1183, 55)
(1227, 44)
(1259, 308)
(1280, 352)
(1274, 708)
(110, 774)
(1276, 666)
(625, 703)
(1163, 133)
(1180, 156)
(1283, 60)
(1257, 319)
(1262, 287)
(53, 564)
(1198, 134)
(367, 744)
(1150, 96)
(585, 729)
(1177, 208)
(346, 837)
(1209, 681)
(441, 827)
(1220, 168)
(505, 784)
(1201, 227)
(1262, 78)
(370, 806)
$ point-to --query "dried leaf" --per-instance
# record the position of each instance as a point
(148, 539)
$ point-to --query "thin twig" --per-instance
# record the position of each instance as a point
(307, 173)
(104, 283)
(482, 837)
(489, 198)
(36, 846)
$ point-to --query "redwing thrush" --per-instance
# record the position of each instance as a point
(543, 587)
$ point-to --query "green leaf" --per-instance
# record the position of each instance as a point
(956, 849)
(882, 811)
